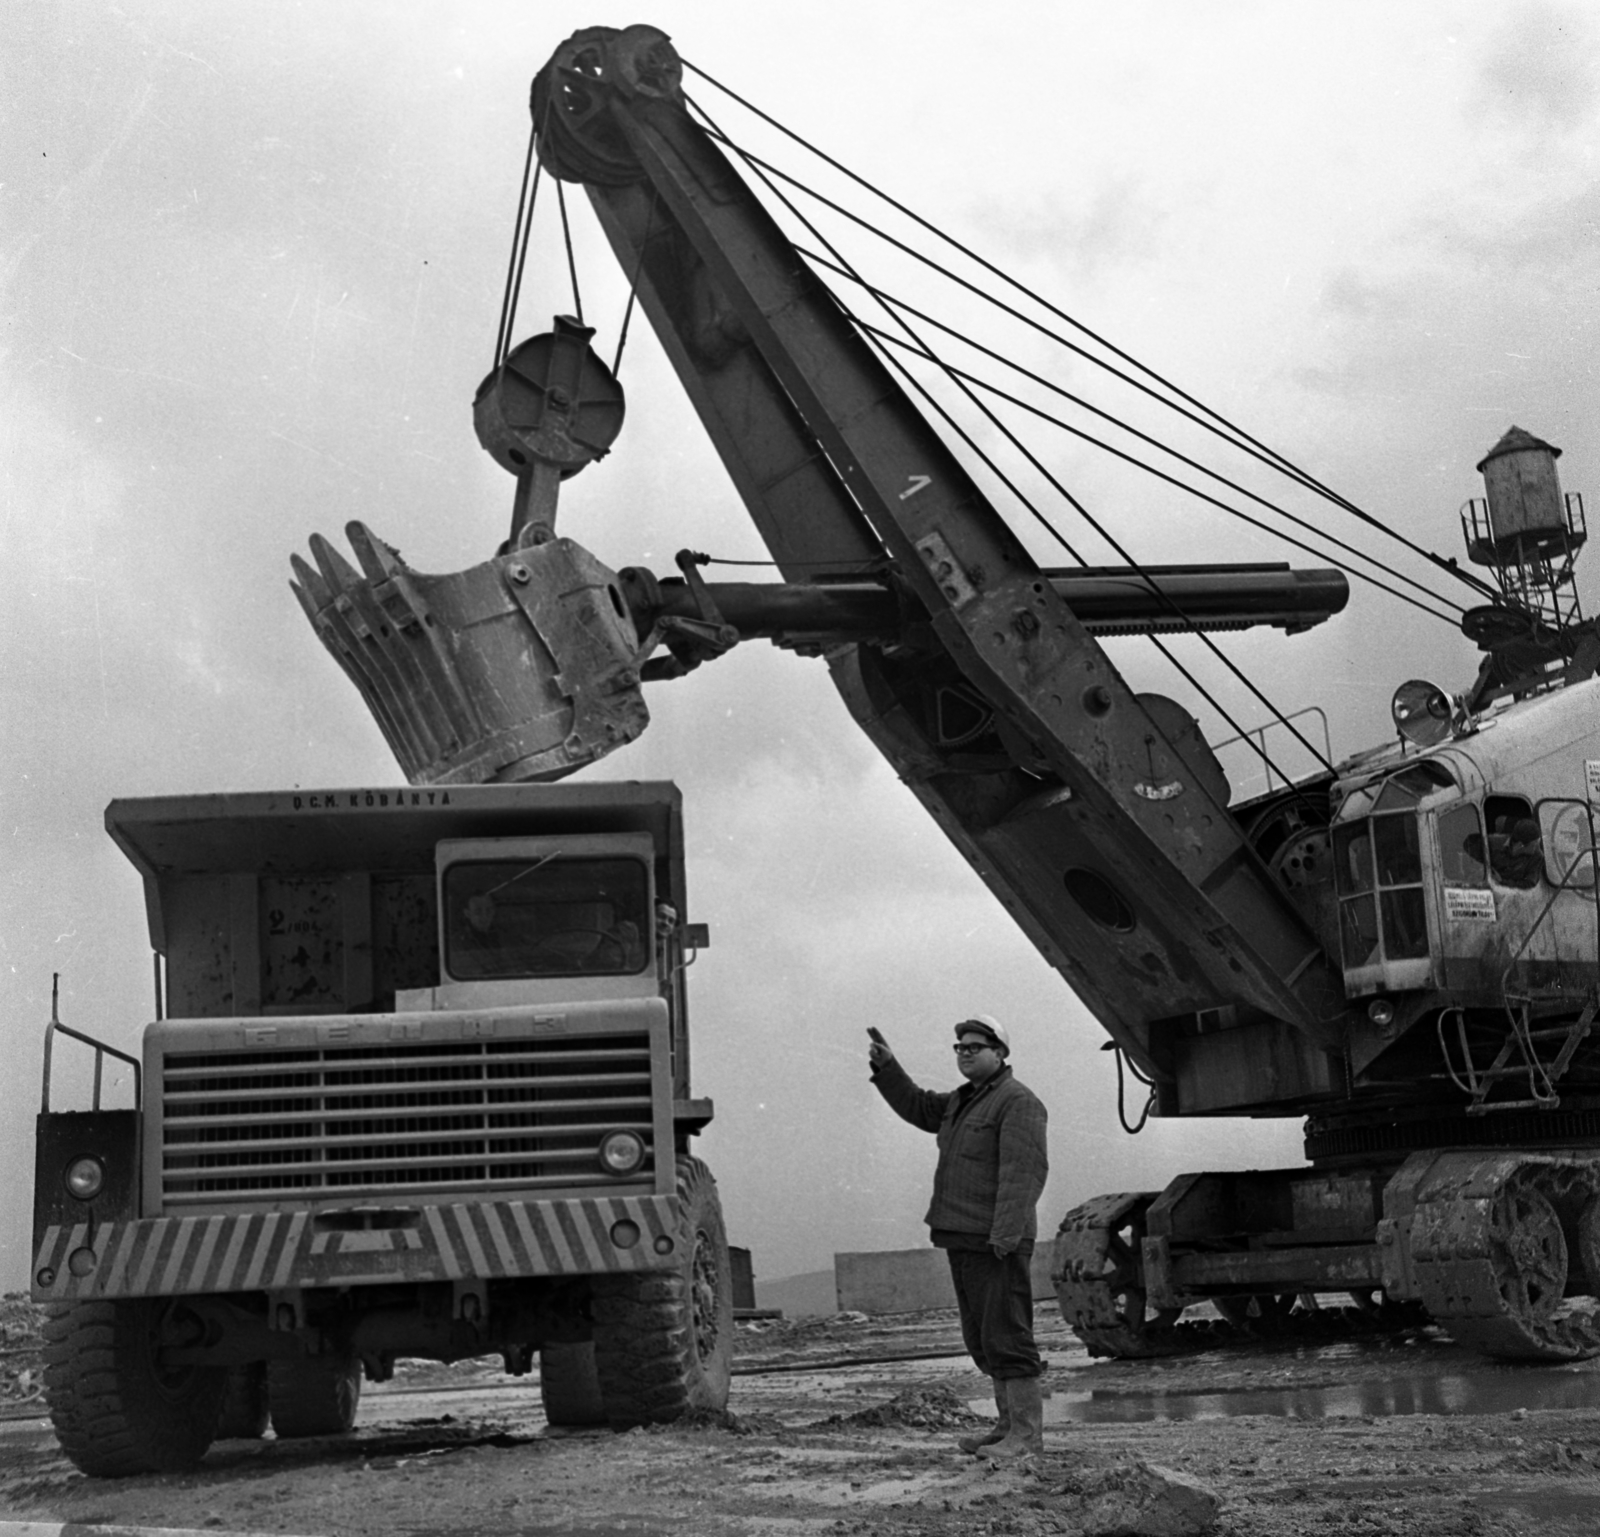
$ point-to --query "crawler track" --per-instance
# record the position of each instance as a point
(1497, 1243)
(1099, 1285)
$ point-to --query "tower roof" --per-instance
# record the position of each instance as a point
(1514, 442)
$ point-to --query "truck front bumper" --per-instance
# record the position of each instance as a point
(272, 1251)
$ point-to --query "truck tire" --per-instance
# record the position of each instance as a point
(663, 1342)
(244, 1405)
(116, 1409)
(569, 1385)
(314, 1396)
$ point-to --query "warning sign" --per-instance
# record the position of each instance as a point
(1469, 904)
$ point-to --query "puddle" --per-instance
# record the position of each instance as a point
(1488, 1392)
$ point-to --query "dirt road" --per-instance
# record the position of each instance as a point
(1378, 1439)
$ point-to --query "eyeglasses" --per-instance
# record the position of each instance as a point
(971, 1048)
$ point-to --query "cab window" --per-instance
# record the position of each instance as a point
(546, 918)
(1515, 849)
(1378, 873)
(1378, 870)
(1462, 854)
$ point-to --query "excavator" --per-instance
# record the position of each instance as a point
(1400, 948)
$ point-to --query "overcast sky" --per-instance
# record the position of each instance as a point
(251, 258)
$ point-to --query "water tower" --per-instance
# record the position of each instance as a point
(1527, 533)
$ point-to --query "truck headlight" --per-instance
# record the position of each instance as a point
(85, 1176)
(621, 1152)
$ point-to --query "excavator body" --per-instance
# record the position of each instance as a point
(1403, 949)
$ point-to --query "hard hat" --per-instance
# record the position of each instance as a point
(989, 1025)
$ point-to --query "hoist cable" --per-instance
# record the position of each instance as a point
(1171, 480)
(1150, 583)
(633, 286)
(888, 300)
(1220, 426)
(572, 265)
(1263, 456)
(522, 262)
(519, 252)
(1259, 748)
(1156, 591)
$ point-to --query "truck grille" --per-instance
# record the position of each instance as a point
(398, 1119)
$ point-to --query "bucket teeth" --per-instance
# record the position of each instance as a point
(306, 602)
(378, 560)
(337, 572)
(469, 681)
(309, 587)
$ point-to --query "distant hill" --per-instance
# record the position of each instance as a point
(811, 1295)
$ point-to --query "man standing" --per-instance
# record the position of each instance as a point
(992, 1167)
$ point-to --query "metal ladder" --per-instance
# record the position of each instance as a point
(1519, 1056)
(1519, 1053)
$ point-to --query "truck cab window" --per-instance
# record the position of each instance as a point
(1516, 851)
(550, 918)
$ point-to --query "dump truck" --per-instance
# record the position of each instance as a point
(416, 1084)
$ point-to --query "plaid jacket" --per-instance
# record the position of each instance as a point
(992, 1154)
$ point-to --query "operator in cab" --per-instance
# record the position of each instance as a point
(991, 1172)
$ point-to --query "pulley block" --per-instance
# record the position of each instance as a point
(578, 139)
(549, 409)
(551, 402)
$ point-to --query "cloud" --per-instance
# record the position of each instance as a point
(1117, 226)
(1538, 71)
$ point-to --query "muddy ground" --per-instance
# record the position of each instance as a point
(1393, 1436)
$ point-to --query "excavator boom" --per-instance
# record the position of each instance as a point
(1098, 817)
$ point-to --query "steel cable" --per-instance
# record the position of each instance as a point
(1155, 590)
(519, 247)
(1171, 480)
(889, 300)
(1220, 425)
(572, 265)
(761, 166)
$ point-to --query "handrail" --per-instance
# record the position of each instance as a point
(1470, 1087)
(101, 1051)
(1259, 735)
(1477, 1085)
(1521, 1033)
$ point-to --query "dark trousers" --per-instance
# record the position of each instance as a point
(995, 1299)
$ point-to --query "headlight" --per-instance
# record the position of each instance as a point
(621, 1152)
(85, 1176)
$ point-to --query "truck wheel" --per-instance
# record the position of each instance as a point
(314, 1396)
(569, 1385)
(116, 1408)
(244, 1405)
(663, 1343)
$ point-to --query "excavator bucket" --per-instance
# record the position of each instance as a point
(523, 668)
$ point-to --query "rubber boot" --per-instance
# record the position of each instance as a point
(1026, 1435)
(997, 1432)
